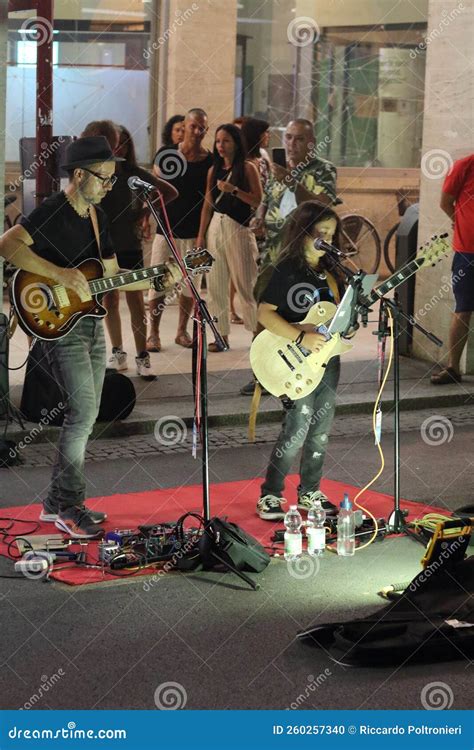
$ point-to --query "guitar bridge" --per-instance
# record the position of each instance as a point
(286, 360)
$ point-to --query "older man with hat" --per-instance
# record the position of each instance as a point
(66, 229)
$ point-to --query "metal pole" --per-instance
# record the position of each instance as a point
(44, 99)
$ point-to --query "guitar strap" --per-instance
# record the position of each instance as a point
(333, 287)
(95, 225)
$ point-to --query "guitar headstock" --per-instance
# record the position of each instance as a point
(433, 250)
(198, 260)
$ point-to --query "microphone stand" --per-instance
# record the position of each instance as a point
(396, 522)
(202, 317)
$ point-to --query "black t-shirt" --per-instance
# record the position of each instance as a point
(189, 178)
(226, 203)
(124, 209)
(63, 237)
(295, 290)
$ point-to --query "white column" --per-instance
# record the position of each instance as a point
(447, 136)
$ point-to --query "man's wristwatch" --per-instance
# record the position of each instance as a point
(235, 191)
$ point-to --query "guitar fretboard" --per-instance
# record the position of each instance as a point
(97, 286)
(396, 279)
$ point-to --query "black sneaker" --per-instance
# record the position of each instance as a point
(249, 388)
(306, 501)
(76, 522)
(269, 508)
(50, 512)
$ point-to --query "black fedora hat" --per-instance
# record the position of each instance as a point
(88, 150)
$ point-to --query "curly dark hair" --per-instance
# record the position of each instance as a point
(252, 130)
(299, 225)
(168, 128)
(238, 177)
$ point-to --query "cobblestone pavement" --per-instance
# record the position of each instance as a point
(174, 437)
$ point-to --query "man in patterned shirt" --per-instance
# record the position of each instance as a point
(306, 177)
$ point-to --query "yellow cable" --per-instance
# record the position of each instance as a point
(379, 447)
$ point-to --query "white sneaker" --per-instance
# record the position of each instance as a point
(118, 360)
(144, 367)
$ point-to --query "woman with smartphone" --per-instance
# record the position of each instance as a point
(233, 192)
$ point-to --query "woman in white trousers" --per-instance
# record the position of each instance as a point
(233, 192)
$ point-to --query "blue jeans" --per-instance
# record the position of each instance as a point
(305, 425)
(78, 364)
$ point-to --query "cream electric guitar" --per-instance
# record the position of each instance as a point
(285, 368)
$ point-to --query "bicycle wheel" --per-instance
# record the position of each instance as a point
(390, 248)
(361, 243)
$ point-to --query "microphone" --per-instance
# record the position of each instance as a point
(320, 244)
(135, 183)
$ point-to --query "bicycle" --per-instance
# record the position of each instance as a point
(390, 241)
(360, 242)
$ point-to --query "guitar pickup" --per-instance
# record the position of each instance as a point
(294, 353)
(60, 296)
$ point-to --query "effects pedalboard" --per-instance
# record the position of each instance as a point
(121, 549)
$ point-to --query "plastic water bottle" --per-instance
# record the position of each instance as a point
(293, 535)
(346, 528)
(315, 530)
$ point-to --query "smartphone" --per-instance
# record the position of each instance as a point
(279, 156)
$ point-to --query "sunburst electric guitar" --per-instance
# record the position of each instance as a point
(285, 368)
(47, 310)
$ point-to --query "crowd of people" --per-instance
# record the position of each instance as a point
(233, 200)
(259, 217)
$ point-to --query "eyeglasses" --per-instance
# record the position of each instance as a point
(104, 180)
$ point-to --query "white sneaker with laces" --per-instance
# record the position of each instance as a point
(144, 367)
(269, 508)
(118, 360)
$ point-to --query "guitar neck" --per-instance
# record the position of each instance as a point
(98, 286)
(396, 279)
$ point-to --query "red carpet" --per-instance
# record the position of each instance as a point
(233, 499)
